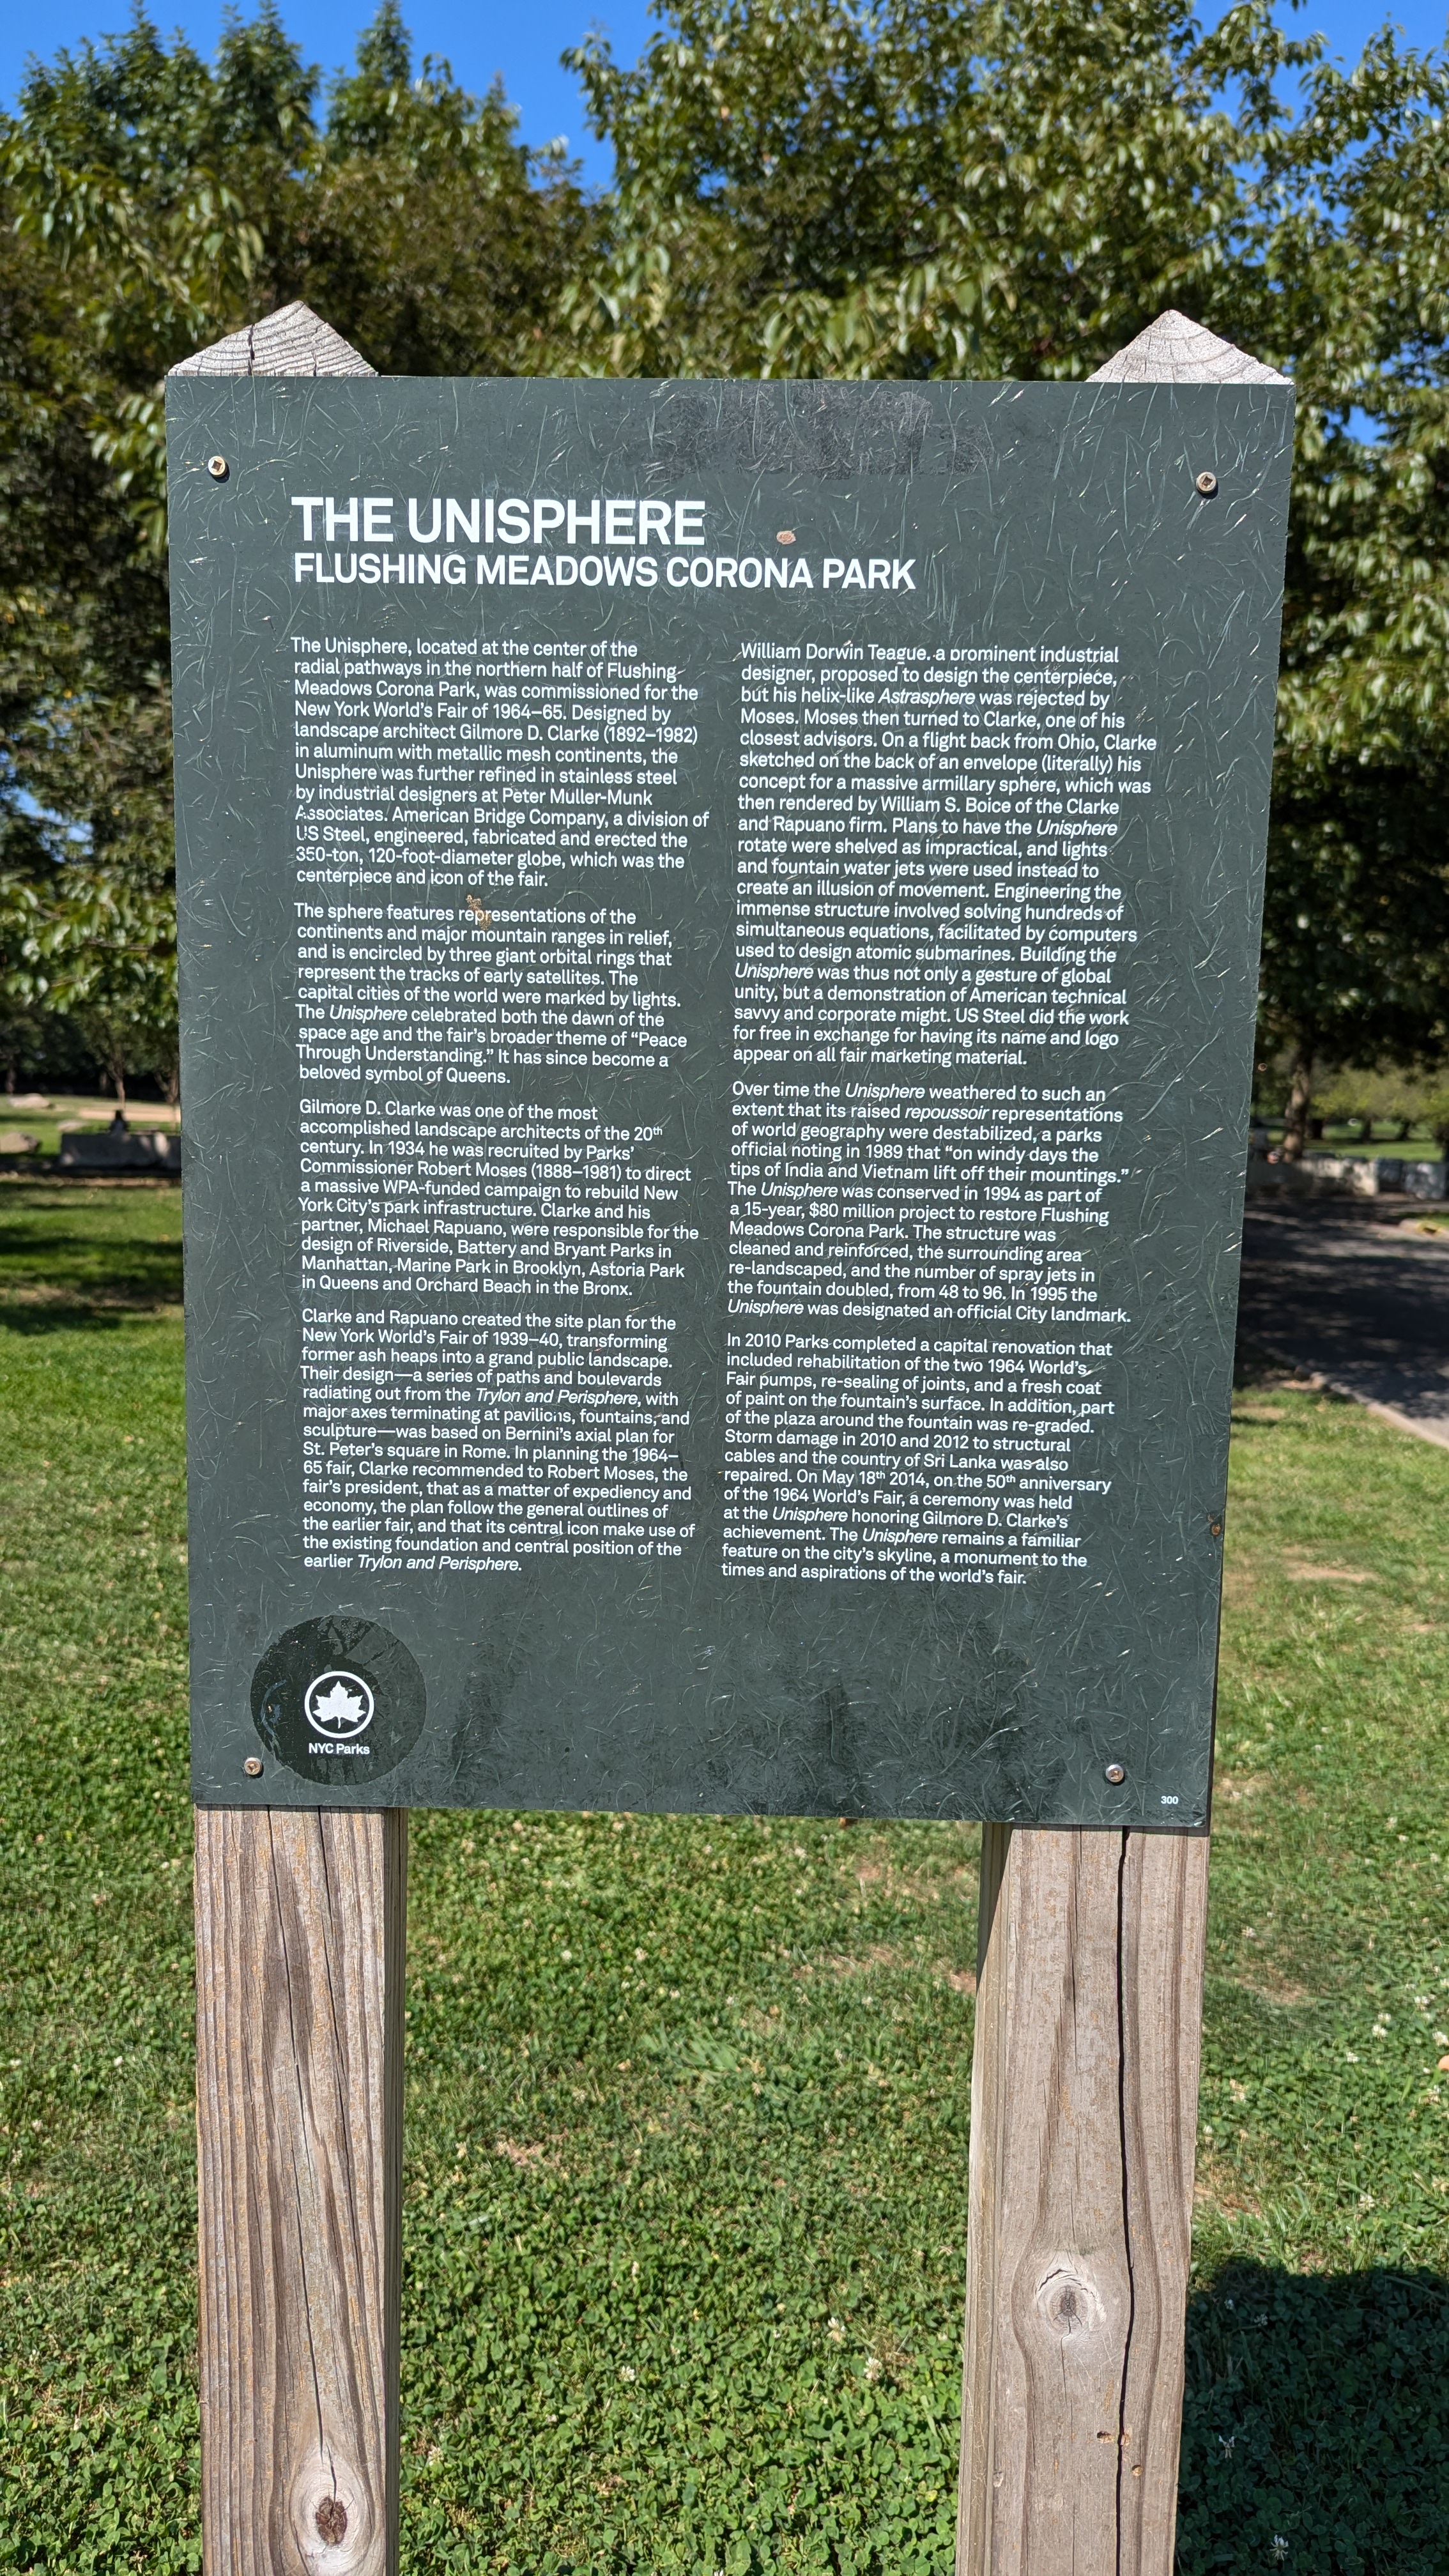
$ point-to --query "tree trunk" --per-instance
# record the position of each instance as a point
(115, 1064)
(1295, 1134)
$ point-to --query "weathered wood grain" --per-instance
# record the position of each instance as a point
(294, 341)
(1174, 351)
(299, 1985)
(300, 1922)
(1084, 2114)
(1084, 2109)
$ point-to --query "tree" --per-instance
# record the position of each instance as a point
(943, 187)
(429, 236)
(153, 202)
(928, 187)
(85, 821)
(1356, 943)
(916, 188)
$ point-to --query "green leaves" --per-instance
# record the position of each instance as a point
(151, 202)
(1002, 187)
(931, 187)
(915, 188)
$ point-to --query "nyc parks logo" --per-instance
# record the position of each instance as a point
(338, 1704)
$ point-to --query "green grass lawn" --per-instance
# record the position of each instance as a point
(687, 2106)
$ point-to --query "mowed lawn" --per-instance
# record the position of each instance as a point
(687, 2101)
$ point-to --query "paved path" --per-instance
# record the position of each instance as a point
(1362, 1304)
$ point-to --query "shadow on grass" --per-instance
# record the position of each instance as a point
(1316, 2425)
(86, 1262)
(71, 1314)
(1254, 1368)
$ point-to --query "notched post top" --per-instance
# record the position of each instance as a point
(1174, 351)
(297, 342)
(293, 342)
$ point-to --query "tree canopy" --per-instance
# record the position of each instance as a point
(802, 187)
(152, 202)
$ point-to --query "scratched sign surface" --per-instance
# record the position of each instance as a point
(719, 932)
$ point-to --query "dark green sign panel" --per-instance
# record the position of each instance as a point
(719, 928)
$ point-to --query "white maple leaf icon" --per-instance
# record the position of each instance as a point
(340, 1707)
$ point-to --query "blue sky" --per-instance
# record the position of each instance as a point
(524, 42)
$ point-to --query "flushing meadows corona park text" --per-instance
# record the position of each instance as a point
(719, 933)
(622, 531)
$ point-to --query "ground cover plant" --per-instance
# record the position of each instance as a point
(687, 2101)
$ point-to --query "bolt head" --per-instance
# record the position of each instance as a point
(217, 468)
(1207, 484)
(252, 1766)
(1115, 1773)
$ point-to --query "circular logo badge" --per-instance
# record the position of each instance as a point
(338, 1704)
(339, 1701)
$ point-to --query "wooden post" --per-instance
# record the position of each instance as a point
(299, 1984)
(299, 2013)
(1083, 2120)
(1083, 2116)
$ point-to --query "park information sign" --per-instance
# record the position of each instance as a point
(719, 931)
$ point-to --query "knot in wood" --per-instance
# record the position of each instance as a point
(332, 2527)
(1069, 2303)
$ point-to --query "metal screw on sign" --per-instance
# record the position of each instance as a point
(252, 1767)
(1207, 484)
(217, 468)
(1115, 1774)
